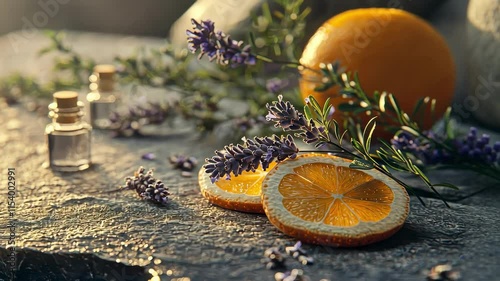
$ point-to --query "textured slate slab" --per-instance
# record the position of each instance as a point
(82, 224)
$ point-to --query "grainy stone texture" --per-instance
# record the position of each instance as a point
(78, 226)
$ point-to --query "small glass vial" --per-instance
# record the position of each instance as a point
(102, 96)
(68, 136)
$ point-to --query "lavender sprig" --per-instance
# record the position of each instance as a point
(284, 114)
(217, 45)
(129, 122)
(249, 156)
(472, 148)
(148, 187)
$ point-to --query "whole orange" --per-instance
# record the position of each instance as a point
(392, 50)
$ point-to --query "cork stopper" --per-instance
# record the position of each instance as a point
(66, 108)
(105, 71)
(66, 99)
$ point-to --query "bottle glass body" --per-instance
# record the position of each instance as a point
(101, 104)
(69, 146)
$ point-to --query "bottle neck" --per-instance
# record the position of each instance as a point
(66, 115)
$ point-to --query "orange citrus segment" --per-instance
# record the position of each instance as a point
(309, 209)
(367, 210)
(240, 193)
(248, 184)
(319, 199)
(340, 215)
(294, 186)
(374, 190)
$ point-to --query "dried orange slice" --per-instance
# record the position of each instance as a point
(240, 193)
(318, 199)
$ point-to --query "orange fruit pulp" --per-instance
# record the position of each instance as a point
(317, 198)
(240, 193)
(392, 50)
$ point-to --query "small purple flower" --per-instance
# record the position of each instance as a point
(217, 45)
(235, 159)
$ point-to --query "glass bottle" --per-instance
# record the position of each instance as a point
(68, 136)
(102, 96)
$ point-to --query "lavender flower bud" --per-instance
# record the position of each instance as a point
(217, 45)
(147, 187)
(235, 159)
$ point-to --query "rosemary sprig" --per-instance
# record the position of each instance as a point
(317, 126)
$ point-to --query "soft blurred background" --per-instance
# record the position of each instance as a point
(162, 19)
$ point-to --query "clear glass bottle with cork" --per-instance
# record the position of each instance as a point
(68, 136)
(102, 96)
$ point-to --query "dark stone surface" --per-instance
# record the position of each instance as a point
(79, 225)
(77, 219)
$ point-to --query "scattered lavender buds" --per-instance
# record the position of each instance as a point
(478, 148)
(147, 186)
(184, 163)
(443, 272)
(470, 147)
(299, 254)
(294, 275)
(284, 114)
(247, 157)
(129, 122)
(423, 150)
(273, 258)
(217, 45)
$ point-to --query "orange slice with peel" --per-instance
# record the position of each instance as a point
(318, 199)
(240, 193)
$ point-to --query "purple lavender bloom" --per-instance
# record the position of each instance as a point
(147, 187)
(470, 147)
(217, 45)
(478, 148)
(420, 147)
(235, 159)
(288, 118)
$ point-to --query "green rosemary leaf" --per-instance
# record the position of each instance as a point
(315, 105)
(361, 164)
(445, 184)
(418, 106)
(307, 112)
(322, 87)
(348, 93)
(357, 145)
(447, 124)
(326, 109)
(410, 130)
(382, 101)
(348, 107)
(369, 137)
